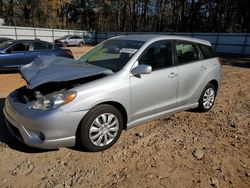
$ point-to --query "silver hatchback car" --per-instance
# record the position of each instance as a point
(70, 40)
(122, 82)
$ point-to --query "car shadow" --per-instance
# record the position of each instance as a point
(9, 71)
(7, 140)
(235, 61)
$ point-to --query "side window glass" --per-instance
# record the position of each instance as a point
(19, 47)
(186, 52)
(207, 51)
(40, 46)
(158, 55)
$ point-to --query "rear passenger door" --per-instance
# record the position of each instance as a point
(77, 40)
(191, 70)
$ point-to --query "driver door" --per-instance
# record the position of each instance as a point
(155, 92)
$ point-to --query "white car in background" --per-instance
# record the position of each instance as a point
(70, 40)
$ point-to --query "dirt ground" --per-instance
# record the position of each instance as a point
(188, 149)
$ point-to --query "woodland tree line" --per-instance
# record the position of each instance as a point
(130, 15)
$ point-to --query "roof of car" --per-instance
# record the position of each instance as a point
(71, 35)
(145, 38)
(5, 38)
(28, 40)
(11, 42)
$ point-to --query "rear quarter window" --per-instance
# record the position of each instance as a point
(40, 46)
(207, 51)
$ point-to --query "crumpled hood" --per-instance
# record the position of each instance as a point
(46, 69)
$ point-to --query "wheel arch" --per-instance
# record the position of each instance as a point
(122, 110)
(118, 106)
(215, 84)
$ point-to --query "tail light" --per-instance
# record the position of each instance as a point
(219, 60)
(69, 52)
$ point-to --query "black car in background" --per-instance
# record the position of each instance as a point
(4, 39)
(15, 53)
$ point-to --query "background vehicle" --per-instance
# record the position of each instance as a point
(4, 39)
(90, 102)
(89, 40)
(15, 53)
(70, 40)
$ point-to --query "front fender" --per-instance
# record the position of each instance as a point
(109, 89)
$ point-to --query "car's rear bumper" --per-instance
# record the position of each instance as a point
(42, 129)
(58, 43)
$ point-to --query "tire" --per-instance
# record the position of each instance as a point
(65, 44)
(80, 44)
(207, 98)
(94, 140)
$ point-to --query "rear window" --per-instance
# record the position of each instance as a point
(42, 46)
(207, 51)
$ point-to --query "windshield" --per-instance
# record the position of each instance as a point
(111, 54)
(5, 44)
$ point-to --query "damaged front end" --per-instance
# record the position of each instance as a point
(50, 81)
(53, 94)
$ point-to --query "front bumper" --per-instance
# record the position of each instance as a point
(41, 129)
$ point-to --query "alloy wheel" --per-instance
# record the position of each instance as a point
(104, 129)
(208, 98)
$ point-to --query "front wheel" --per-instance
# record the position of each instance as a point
(207, 98)
(100, 128)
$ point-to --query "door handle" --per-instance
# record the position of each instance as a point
(172, 75)
(203, 68)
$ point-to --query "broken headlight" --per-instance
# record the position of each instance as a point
(54, 100)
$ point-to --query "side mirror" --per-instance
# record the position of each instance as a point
(8, 51)
(141, 69)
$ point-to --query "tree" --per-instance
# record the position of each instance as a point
(130, 15)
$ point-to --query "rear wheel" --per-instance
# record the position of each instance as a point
(80, 44)
(207, 98)
(100, 128)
